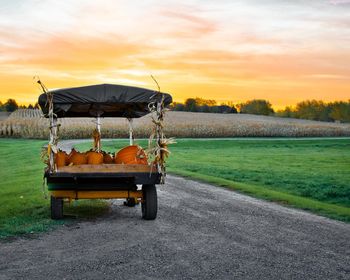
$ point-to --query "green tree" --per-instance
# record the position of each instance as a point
(313, 110)
(256, 107)
(339, 111)
(204, 108)
(177, 106)
(288, 112)
(202, 102)
(191, 105)
(11, 105)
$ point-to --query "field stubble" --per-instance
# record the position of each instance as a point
(29, 124)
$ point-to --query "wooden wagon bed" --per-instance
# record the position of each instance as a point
(107, 177)
(107, 168)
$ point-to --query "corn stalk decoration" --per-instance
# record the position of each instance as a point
(158, 143)
(48, 155)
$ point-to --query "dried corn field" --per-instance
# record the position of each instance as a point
(29, 124)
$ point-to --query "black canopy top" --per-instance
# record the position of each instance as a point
(103, 100)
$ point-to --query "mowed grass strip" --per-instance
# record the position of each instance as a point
(307, 174)
(23, 207)
(326, 209)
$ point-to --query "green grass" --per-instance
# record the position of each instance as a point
(307, 174)
(23, 208)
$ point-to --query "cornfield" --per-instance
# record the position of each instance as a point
(26, 123)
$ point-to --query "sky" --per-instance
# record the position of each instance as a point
(282, 51)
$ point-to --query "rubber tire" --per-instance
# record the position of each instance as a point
(149, 206)
(56, 208)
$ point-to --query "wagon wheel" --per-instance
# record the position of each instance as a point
(149, 205)
(56, 208)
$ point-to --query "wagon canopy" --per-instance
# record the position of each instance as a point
(105, 100)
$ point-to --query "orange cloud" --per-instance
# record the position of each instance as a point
(226, 52)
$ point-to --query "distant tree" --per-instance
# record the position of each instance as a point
(191, 105)
(223, 109)
(210, 102)
(214, 109)
(204, 105)
(203, 102)
(11, 105)
(309, 109)
(339, 111)
(2, 107)
(203, 108)
(313, 110)
(257, 107)
(318, 111)
(287, 112)
(177, 106)
(36, 106)
(30, 106)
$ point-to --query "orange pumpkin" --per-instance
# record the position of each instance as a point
(61, 159)
(94, 157)
(77, 158)
(131, 155)
(72, 152)
(107, 158)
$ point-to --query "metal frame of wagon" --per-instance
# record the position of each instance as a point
(106, 181)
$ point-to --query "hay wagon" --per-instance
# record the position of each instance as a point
(132, 174)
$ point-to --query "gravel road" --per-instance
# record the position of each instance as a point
(202, 232)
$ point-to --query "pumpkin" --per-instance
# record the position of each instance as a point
(72, 152)
(94, 157)
(77, 158)
(61, 158)
(107, 158)
(131, 155)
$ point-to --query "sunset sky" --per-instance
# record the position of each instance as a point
(283, 51)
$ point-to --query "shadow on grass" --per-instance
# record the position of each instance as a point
(86, 209)
(37, 219)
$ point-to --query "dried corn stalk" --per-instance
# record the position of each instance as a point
(158, 143)
(96, 135)
(54, 127)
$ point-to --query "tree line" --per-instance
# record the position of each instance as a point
(338, 111)
(11, 105)
(204, 106)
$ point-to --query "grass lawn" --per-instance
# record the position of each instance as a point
(23, 208)
(307, 174)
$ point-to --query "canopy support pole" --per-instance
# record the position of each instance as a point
(98, 136)
(131, 132)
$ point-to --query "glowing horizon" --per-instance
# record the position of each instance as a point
(282, 51)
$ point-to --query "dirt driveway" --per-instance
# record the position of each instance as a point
(202, 232)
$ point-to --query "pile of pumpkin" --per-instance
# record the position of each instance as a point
(129, 155)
